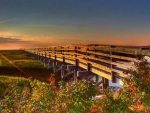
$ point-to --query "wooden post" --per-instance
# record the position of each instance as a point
(45, 59)
(76, 64)
(37, 55)
(34, 54)
(89, 66)
(105, 83)
(49, 55)
(41, 58)
(63, 68)
(54, 64)
(113, 78)
(97, 78)
(63, 60)
(55, 59)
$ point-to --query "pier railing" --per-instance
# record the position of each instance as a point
(106, 61)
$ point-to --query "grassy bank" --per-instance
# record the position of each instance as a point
(6, 81)
(11, 60)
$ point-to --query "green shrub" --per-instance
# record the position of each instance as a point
(27, 96)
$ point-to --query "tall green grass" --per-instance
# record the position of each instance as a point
(26, 63)
(5, 81)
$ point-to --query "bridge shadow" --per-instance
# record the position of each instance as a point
(66, 79)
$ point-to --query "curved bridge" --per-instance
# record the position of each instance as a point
(105, 62)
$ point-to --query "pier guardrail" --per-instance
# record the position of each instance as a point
(107, 61)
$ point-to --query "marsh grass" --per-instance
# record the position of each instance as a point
(25, 62)
(6, 81)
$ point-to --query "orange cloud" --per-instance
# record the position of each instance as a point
(14, 40)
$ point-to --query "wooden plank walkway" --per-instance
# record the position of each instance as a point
(106, 60)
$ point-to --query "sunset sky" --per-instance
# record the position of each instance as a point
(36, 23)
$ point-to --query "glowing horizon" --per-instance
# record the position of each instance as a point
(45, 23)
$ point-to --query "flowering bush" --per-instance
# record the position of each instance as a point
(29, 97)
(75, 98)
(26, 96)
(134, 97)
(137, 87)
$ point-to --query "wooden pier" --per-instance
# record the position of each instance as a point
(84, 61)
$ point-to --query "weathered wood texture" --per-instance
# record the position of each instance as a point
(106, 60)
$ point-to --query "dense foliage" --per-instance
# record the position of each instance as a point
(26, 96)
(134, 97)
